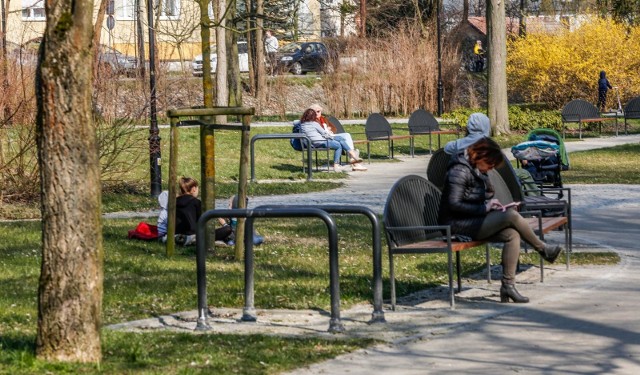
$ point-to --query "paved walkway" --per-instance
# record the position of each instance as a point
(583, 320)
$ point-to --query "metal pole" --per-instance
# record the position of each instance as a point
(440, 88)
(154, 137)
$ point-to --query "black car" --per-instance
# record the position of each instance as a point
(299, 58)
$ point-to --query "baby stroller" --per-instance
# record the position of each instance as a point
(544, 156)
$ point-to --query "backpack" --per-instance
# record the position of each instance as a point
(296, 143)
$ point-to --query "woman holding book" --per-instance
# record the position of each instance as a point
(469, 207)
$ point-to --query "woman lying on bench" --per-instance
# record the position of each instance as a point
(469, 208)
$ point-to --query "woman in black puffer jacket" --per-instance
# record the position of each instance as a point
(469, 208)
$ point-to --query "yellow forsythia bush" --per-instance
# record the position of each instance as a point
(556, 68)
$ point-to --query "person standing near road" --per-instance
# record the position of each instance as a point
(271, 48)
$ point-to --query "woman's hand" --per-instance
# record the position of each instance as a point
(493, 204)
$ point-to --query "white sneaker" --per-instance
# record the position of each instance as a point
(358, 167)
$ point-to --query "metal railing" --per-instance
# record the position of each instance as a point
(321, 212)
(304, 140)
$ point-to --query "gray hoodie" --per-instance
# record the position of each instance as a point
(163, 200)
(478, 127)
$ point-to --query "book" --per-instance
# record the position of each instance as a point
(504, 207)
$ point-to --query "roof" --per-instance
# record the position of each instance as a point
(480, 24)
(540, 24)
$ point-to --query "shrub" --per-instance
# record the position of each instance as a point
(520, 118)
(394, 75)
(556, 68)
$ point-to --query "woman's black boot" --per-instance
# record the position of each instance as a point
(550, 252)
(509, 291)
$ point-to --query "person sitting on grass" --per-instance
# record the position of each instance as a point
(188, 211)
(321, 138)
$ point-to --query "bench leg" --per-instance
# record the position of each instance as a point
(392, 281)
(488, 257)
(452, 301)
(458, 272)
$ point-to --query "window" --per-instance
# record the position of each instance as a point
(169, 9)
(33, 10)
(125, 9)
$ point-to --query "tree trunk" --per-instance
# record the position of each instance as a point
(251, 46)
(497, 98)
(233, 77)
(260, 71)
(97, 27)
(363, 19)
(465, 11)
(222, 90)
(205, 36)
(70, 288)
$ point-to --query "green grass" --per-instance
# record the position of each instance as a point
(615, 165)
(180, 353)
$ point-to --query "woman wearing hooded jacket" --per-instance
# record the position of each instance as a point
(469, 207)
(478, 127)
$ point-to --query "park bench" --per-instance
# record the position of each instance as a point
(422, 122)
(411, 227)
(377, 128)
(631, 111)
(581, 112)
(340, 129)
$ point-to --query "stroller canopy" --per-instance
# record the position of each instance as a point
(550, 135)
(535, 150)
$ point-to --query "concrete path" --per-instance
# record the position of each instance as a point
(580, 321)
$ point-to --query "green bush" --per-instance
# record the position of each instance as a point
(521, 119)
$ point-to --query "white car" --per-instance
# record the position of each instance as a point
(243, 59)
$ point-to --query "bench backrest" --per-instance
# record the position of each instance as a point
(632, 109)
(412, 201)
(577, 110)
(336, 123)
(502, 191)
(421, 122)
(509, 177)
(377, 127)
(437, 168)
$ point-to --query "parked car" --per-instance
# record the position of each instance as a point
(299, 58)
(243, 60)
(109, 59)
(117, 62)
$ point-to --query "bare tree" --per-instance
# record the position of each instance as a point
(497, 96)
(70, 288)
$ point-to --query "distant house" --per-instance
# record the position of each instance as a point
(176, 25)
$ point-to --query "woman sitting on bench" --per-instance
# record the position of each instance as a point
(322, 138)
(469, 208)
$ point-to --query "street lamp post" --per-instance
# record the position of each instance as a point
(154, 137)
(440, 87)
